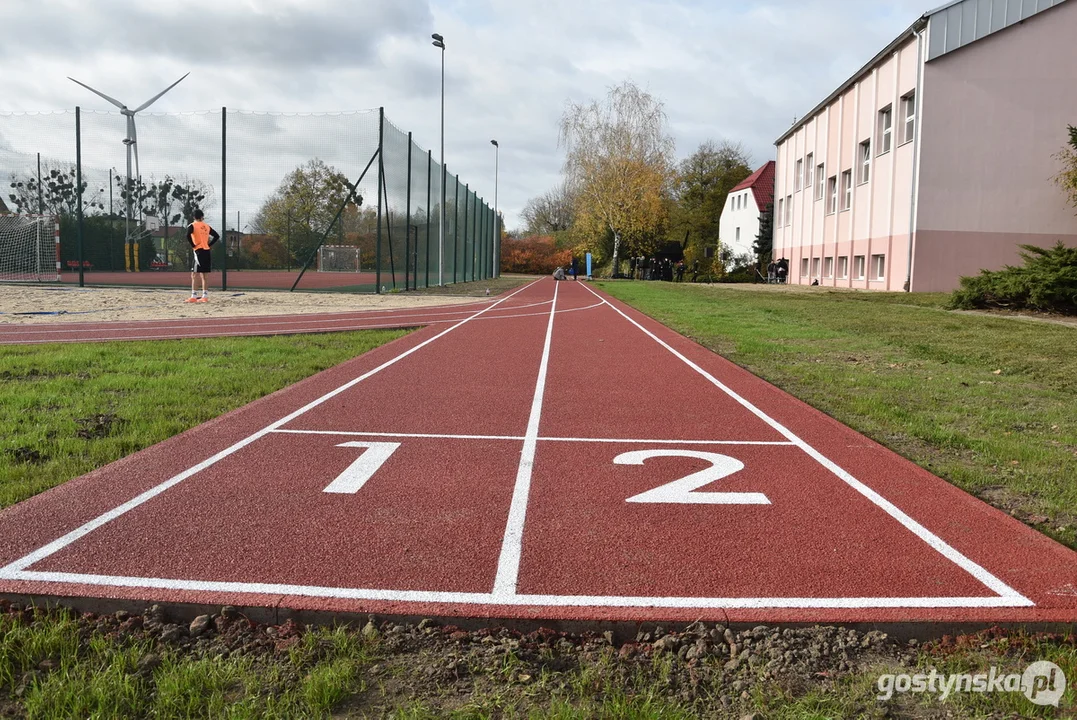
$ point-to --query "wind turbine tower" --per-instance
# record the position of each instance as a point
(131, 141)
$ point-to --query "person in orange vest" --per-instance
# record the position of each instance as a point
(201, 237)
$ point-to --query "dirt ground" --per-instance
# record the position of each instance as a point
(36, 305)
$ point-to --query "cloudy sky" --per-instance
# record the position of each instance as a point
(739, 71)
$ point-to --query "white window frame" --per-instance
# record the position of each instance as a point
(847, 190)
(820, 181)
(798, 180)
(804, 267)
(828, 267)
(810, 169)
(788, 209)
(878, 267)
(781, 212)
(886, 129)
(832, 195)
(908, 107)
(815, 268)
(860, 266)
(865, 162)
(843, 267)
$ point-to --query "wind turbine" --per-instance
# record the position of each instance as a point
(131, 141)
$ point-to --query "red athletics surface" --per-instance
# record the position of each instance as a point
(237, 326)
(548, 455)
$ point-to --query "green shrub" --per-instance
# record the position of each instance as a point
(1047, 281)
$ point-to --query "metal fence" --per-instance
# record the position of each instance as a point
(326, 201)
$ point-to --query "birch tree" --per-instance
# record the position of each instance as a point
(618, 160)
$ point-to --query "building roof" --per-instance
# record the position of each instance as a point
(761, 183)
(952, 26)
(3, 207)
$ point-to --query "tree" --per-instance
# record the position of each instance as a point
(764, 241)
(303, 207)
(618, 159)
(703, 182)
(1067, 178)
(55, 194)
(550, 212)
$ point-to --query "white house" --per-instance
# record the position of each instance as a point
(739, 224)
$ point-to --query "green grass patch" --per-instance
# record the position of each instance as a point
(986, 403)
(67, 409)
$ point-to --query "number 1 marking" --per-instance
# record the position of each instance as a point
(355, 476)
(682, 491)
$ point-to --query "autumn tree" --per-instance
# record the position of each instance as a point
(550, 212)
(618, 160)
(702, 184)
(54, 194)
(1067, 177)
(304, 206)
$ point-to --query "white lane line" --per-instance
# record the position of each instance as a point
(462, 598)
(57, 545)
(946, 550)
(518, 438)
(508, 563)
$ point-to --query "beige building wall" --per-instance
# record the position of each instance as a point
(995, 112)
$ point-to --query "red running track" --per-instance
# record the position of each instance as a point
(551, 455)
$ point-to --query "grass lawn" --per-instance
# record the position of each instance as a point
(988, 403)
(66, 409)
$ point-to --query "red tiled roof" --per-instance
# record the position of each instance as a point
(761, 183)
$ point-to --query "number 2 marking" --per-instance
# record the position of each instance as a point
(355, 476)
(682, 491)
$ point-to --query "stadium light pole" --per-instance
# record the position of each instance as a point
(439, 42)
(497, 234)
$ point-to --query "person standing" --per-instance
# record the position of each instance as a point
(201, 238)
(574, 268)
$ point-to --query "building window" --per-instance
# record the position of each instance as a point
(865, 161)
(828, 267)
(738, 234)
(804, 268)
(820, 176)
(808, 165)
(843, 267)
(847, 190)
(789, 210)
(859, 266)
(878, 267)
(815, 267)
(886, 126)
(798, 181)
(908, 112)
(832, 195)
(781, 212)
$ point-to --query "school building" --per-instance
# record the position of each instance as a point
(936, 159)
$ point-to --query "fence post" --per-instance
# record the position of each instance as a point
(467, 194)
(429, 181)
(224, 196)
(407, 223)
(78, 185)
(381, 175)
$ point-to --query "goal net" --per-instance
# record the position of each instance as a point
(29, 248)
(339, 258)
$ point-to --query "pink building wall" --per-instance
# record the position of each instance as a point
(878, 221)
(995, 112)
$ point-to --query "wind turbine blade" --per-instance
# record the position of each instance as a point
(114, 101)
(153, 99)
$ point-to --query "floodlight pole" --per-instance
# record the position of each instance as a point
(439, 42)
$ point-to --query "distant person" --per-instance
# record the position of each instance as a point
(574, 268)
(201, 237)
(680, 271)
(772, 272)
(783, 270)
(559, 273)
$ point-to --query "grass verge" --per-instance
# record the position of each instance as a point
(66, 409)
(986, 403)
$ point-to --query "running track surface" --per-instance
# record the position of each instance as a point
(548, 455)
(267, 279)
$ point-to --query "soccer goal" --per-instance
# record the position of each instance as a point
(339, 258)
(29, 248)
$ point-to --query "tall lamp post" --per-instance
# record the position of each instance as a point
(497, 228)
(439, 42)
